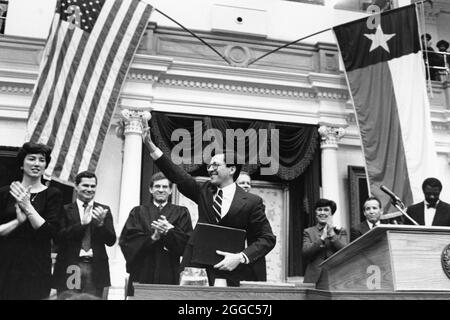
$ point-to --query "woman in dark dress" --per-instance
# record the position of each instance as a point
(28, 221)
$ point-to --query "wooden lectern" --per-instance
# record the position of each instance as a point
(390, 259)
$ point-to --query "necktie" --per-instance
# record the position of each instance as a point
(160, 207)
(374, 225)
(431, 206)
(217, 205)
(86, 242)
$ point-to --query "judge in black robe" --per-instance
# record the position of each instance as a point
(153, 256)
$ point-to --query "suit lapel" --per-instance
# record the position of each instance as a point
(239, 201)
(420, 218)
(74, 213)
(439, 215)
(364, 227)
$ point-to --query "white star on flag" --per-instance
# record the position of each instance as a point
(379, 39)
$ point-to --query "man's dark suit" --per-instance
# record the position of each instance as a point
(69, 244)
(441, 218)
(246, 212)
(359, 230)
(315, 252)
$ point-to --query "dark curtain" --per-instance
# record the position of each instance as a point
(297, 144)
(303, 194)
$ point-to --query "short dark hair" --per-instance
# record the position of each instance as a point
(426, 35)
(156, 177)
(372, 198)
(85, 174)
(228, 154)
(326, 203)
(442, 43)
(432, 182)
(34, 148)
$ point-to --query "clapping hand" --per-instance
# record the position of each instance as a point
(162, 225)
(20, 215)
(99, 214)
(330, 231)
(21, 194)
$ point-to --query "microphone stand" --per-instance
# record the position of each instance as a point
(401, 207)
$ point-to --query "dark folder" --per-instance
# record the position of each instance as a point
(210, 237)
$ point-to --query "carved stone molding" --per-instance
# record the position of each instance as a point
(16, 89)
(142, 76)
(330, 136)
(238, 55)
(131, 122)
(239, 88)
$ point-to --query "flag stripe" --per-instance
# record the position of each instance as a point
(47, 129)
(45, 111)
(93, 116)
(38, 116)
(383, 144)
(97, 48)
(414, 114)
(117, 86)
(47, 56)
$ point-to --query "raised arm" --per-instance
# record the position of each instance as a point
(185, 182)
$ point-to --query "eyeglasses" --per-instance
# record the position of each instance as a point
(214, 166)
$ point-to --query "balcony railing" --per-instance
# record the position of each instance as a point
(3, 13)
(438, 64)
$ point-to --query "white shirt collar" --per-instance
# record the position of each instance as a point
(370, 224)
(158, 204)
(229, 189)
(81, 203)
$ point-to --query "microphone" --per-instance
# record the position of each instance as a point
(393, 196)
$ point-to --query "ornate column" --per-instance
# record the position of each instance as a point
(330, 174)
(130, 188)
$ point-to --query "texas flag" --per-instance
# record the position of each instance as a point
(386, 76)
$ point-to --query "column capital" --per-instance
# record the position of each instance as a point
(131, 122)
(330, 136)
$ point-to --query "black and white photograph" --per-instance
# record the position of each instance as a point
(224, 156)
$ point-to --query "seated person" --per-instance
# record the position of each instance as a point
(321, 240)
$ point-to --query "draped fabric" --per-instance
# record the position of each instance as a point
(297, 144)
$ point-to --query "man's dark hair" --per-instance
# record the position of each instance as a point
(85, 174)
(156, 177)
(372, 198)
(326, 203)
(34, 148)
(432, 182)
(228, 154)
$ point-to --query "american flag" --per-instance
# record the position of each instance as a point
(86, 59)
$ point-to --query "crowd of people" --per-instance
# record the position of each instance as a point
(157, 239)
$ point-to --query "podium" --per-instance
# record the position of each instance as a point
(395, 260)
(389, 262)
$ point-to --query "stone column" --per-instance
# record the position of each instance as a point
(330, 174)
(130, 189)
